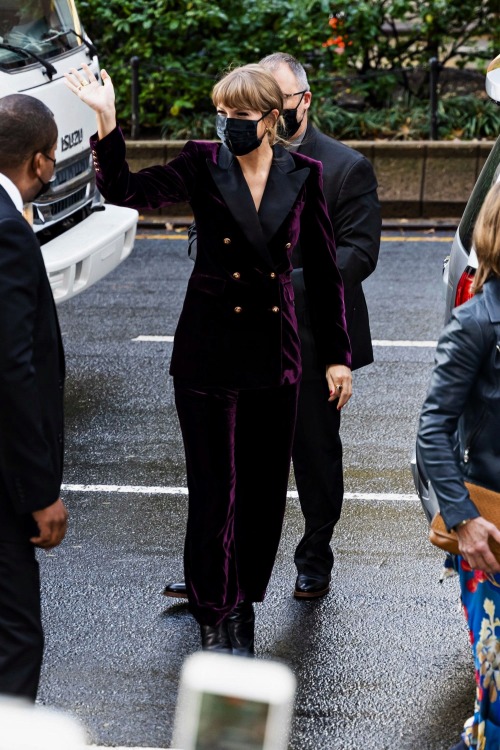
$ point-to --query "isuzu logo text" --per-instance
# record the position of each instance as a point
(71, 139)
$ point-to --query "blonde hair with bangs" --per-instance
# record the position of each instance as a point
(486, 239)
(250, 87)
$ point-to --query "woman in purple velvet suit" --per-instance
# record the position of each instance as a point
(236, 356)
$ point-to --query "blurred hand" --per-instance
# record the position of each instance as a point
(339, 379)
(52, 524)
(474, 547)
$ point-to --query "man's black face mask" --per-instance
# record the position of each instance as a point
(290, 118)
(46, 185)
(44, 188)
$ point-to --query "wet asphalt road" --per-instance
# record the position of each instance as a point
(382, 662)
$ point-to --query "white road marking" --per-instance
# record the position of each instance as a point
(376, 342)
(407, 343)
(152, 490)
(124, 489)
(154, 338)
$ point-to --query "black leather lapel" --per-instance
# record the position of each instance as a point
(283, 186)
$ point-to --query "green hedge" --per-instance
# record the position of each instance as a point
(361, 55)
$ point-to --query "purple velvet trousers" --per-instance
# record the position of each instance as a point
(238, 446)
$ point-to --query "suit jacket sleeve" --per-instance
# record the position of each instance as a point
(357, 223)
(150, 188)
(322, 277)
(26, 464)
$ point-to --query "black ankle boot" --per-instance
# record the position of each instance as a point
(215, 638)
(240, 628)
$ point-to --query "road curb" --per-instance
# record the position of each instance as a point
(183, 222)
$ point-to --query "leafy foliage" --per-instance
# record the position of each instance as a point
(360, 55)
(461, 117)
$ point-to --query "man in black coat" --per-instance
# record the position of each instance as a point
(350, 189)
(31, 393)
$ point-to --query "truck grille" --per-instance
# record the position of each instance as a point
(62, 205)
(70, 171)
(73, 187)
(54, 210)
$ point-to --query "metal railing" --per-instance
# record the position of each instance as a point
(433, 71)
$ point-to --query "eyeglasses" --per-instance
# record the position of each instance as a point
(289, 96)
(50, 158)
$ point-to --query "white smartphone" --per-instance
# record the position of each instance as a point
(233, 703)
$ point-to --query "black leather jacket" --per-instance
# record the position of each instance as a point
(459, 430)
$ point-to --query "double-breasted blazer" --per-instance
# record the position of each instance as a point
(350, 188)
(31, 377)
(238, 326)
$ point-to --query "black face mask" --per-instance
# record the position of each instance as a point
(290, 118)
(240, 136)
(45, 186)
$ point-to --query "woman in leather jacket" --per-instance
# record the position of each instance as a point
(459, 440)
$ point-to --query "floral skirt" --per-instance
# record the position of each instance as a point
(480, 594)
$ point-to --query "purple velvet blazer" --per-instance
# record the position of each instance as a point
(238, 327)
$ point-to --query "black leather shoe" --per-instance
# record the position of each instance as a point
(311, 587)
(240, 628)
(216, 638)
(460, 746)
(177, 590)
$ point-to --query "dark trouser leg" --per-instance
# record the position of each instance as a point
(317, 464)
(207, 418)
(232, 439)
(263, 458)
(21, 634)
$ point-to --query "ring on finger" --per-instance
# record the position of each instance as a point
(338, 387)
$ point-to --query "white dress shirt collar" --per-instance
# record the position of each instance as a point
(12, 191)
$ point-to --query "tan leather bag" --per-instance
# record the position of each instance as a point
(488, 504)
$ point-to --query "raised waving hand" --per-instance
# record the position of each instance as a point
(100, 98)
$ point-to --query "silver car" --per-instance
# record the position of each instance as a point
(460, 266)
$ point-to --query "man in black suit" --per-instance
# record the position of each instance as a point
(350, 189)
(31, 393)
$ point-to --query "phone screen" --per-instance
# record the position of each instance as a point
(230, 723)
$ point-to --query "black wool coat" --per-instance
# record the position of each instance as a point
(350, 190)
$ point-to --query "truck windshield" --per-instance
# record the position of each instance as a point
(36, 26)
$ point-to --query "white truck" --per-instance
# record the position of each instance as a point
(82, 239)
